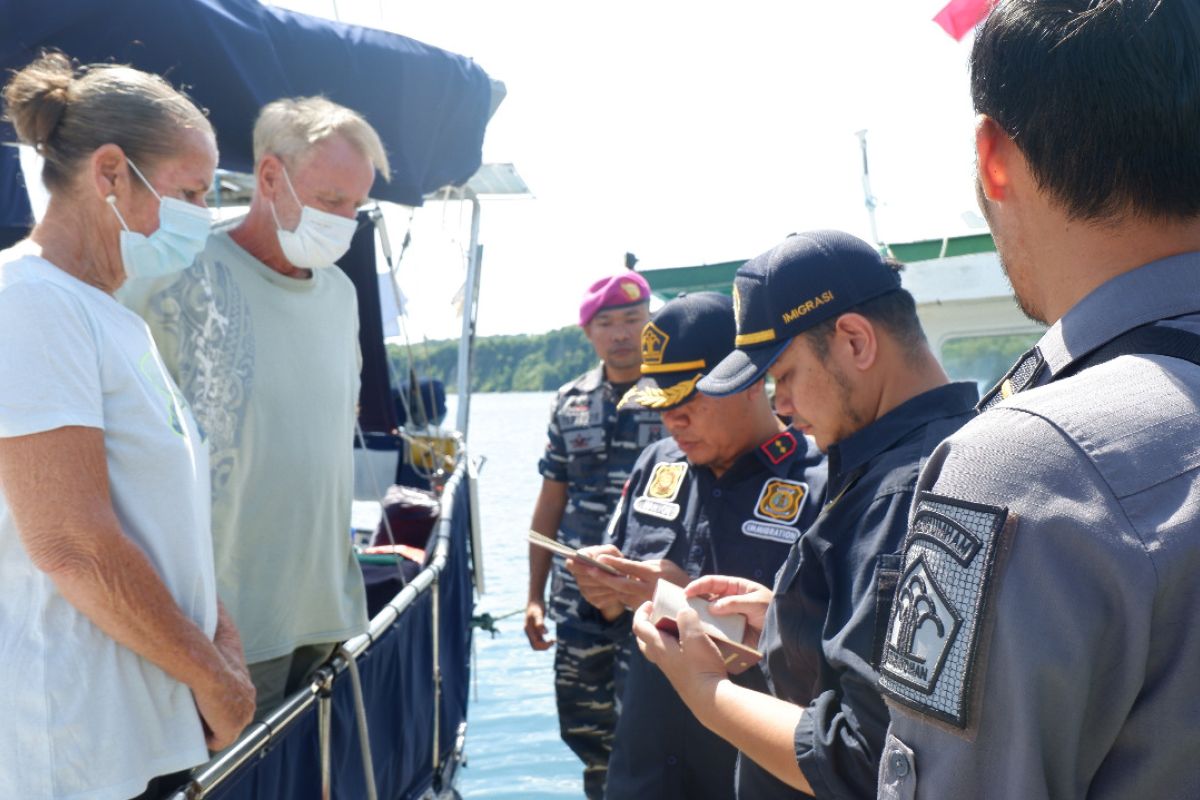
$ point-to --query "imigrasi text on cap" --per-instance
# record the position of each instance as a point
(798, 284)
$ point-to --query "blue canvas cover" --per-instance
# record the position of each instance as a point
(429, 106)
(16, 217)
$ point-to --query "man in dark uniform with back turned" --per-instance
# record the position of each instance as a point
(1044, 641)
(825, 315)
(729, 493)
(591, 448)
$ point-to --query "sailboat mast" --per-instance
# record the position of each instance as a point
(868, 196)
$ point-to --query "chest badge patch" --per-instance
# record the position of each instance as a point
(665, 480)
(777, 510)
(930, 652)
(584, 439)
(658, 497)
(580, 412)
(781, 501)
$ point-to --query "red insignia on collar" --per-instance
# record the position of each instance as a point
(780, 447)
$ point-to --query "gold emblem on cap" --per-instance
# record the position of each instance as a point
(631, 289)
(758, 337)
(654, 344)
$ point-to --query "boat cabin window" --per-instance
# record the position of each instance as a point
(984, 359)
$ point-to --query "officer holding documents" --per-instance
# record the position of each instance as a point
(729, 493)
(1043, 643)
(590, 449)
(826, 316)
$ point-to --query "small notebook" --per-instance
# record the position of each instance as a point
(726, 632)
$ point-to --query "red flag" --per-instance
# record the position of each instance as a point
(959, 17)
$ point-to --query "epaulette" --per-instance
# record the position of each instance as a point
(780, 447)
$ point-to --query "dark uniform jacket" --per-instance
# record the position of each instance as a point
(742, 523)
(591, 448)
(825, 626)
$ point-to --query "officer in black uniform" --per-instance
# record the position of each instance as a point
(730, 494)
(826, 316)
(590, 449)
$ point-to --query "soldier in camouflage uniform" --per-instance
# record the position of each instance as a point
(590, 452)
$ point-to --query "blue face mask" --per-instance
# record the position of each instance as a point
(182, 232)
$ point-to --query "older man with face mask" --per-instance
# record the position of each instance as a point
(261, 334)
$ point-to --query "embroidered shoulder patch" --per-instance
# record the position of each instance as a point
(933, 636)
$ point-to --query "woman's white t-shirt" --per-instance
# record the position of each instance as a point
(80, 715)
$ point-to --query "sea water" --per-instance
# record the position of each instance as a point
(513, 747)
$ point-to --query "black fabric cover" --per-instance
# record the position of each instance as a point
(376, 413)
(16, 217)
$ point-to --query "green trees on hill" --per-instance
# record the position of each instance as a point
(526, 363)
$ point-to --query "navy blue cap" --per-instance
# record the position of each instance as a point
(684, 339)
(800, 283)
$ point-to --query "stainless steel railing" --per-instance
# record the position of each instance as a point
(260, 736)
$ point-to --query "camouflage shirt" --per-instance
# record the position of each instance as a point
(591, 448)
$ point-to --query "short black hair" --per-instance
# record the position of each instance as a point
(894, 311)
(1103, 99)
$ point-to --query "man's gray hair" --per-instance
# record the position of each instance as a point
(288, 128)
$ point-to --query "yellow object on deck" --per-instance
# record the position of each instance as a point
(431, 452)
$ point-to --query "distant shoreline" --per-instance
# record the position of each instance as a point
(526, 363)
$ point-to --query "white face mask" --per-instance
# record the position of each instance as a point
(319, 240)
(181, 235)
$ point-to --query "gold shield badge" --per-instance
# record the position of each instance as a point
(665, 480)
(654, 344)
(781, 501)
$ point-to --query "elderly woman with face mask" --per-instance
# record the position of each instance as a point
(119, 663)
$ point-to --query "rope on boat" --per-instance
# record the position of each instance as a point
(487, 623)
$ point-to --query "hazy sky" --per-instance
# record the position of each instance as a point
(686, 133)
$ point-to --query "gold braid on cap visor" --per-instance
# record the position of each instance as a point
(758, 337)
(648, 397)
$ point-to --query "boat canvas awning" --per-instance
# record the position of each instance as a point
(673, 281)
(429, 106)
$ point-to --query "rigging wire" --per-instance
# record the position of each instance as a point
(407, 388)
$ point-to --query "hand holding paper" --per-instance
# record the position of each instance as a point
(726, 632)
(566, 551)
(732, 595)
